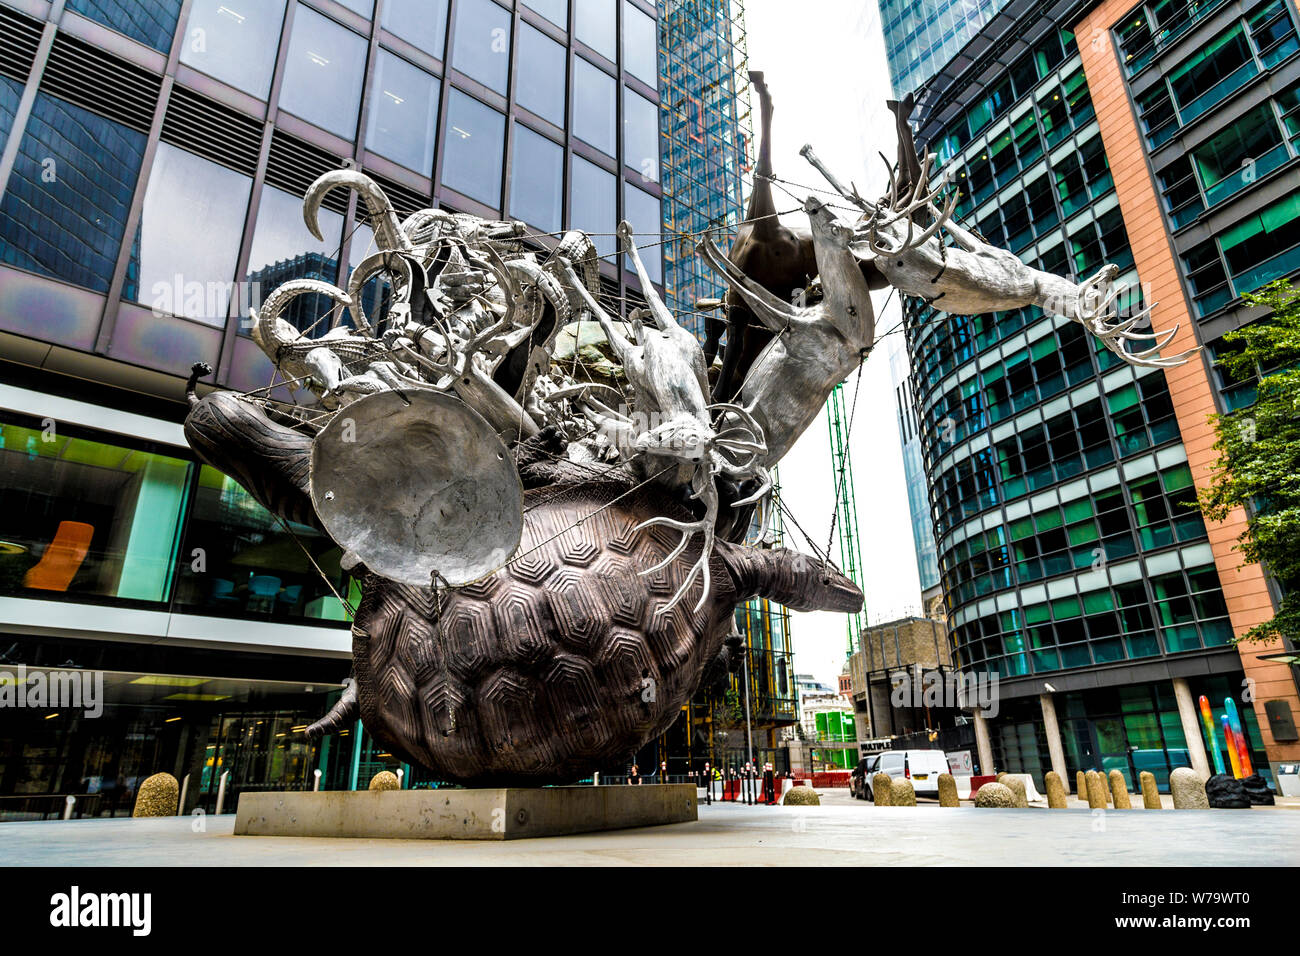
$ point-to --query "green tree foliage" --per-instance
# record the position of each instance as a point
(1259, 451)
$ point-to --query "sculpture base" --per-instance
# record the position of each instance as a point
(507, 813)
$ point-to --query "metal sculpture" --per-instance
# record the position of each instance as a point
(551, 559)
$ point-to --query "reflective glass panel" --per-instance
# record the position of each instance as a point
(283, 249)
(403, 113)
(536, 180)
(482, 47)
(10, 93)
(593, 203)
(540, 74)
(253, 566)
(475, 147)
(323, 75)
(177, 275)
(82, 517)
(557, 11)
(363, 7)
(152, 22)
(65, 208)
(643, 212)
(641, 135)
(594, 106)
(640, 45)
(595, 25)
(421, 23)
(235, 41)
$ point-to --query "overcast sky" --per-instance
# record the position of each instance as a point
(825, 67)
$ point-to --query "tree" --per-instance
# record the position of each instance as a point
(1259, 451)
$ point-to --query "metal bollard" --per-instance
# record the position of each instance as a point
(401, 774)
(316, 786)
(221, 793)
(68, 803)
(180, 804)
(595, 779)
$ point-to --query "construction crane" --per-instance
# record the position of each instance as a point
(845, 517)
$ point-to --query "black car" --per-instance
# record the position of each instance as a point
(860, 778)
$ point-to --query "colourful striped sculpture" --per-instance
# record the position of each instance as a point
(1239, 736)
(1208, 720)
(1232, 746)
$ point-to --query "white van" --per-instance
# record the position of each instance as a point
(922, 767)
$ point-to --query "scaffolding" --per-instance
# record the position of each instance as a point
(845, 522)
(706, 133)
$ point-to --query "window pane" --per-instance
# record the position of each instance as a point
(403, 113)
(176, 274)
(642, 211)
(640, 45)
(152, 22)
(593, 106)
(254, 567)
(557, 11)
(85, 517)
(536, 180)
(283, 249)
(539, 84)
(475, 146)
(10, 93)
(421, 23)
(324, 72)
(592, 204)
(65, 209)
(595, 26)
(235, 42)
(482, 48)
(364, 7)
(641, 135)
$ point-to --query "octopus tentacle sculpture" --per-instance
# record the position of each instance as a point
(550, 564)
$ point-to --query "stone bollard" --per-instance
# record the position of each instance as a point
(385, 780)
(1055, 791)
(1081, 785)
(1001, 774)
(801, 797)
(882, 790)
(1096, 791)
(1188, 790)
(902, 793)
(1017, 788)
(948, 791)
(1150, 793)
(995, 795)
(158, 796)
(1119, 791)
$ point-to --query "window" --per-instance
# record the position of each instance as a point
(65, 208)
(540, 75)
(323, 73)
(10, 93)
(536, 180)
(643, 212)
(1273, 33)
(421, 23)
(283, 249)
(235, 41)
(364, 7)
(82, 517)
(1212, 73)
(593, 204)
(403, 113)
(640, 45)
(557, 11)
(482, 47)
(595, 25)
(1265, 246)
(176, 274)
(1241, 153)
(475, 147)
(641, 135)
(152, 22)
(594, 106)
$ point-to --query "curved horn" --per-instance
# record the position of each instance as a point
(265, 333)
(387, 228)
(372, 265)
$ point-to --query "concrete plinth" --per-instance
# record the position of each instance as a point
(501, 814)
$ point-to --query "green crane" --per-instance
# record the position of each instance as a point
(845, 517)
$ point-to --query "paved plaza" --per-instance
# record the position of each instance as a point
(839, 833)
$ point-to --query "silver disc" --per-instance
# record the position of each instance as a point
(417, 483)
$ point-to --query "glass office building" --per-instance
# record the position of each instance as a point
(1074, 562)
(920, 37)
(153, 156)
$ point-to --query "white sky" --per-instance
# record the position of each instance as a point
(825, 68)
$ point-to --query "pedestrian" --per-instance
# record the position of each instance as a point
(769, 784)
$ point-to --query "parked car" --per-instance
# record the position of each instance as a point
(922, 767)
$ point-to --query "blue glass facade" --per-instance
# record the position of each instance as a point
(922, 35)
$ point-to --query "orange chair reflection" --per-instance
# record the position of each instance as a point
(62, 558)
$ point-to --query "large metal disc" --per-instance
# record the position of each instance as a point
(417, 483)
